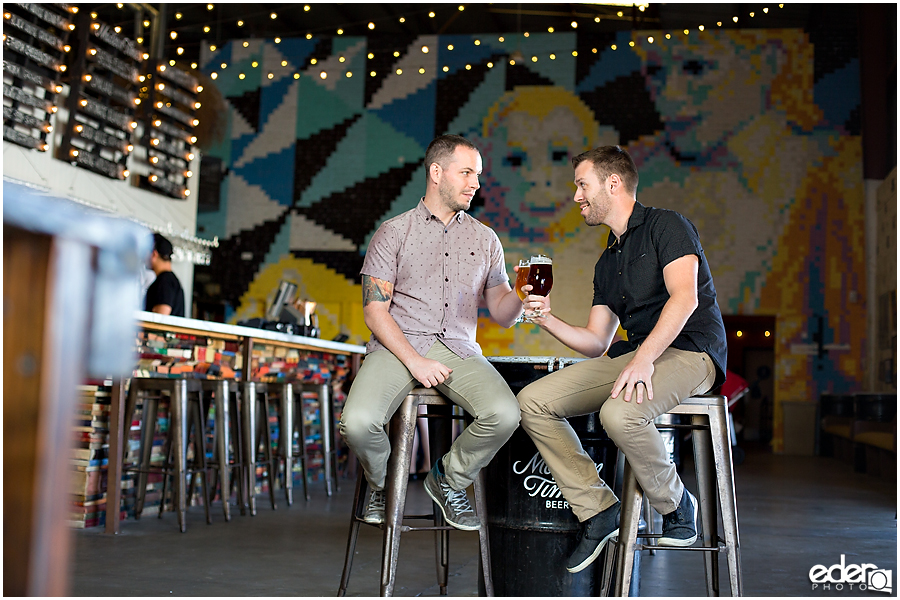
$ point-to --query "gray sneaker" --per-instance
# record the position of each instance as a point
(595, 533)
(375, 508)
(680, 525)
(453, 503)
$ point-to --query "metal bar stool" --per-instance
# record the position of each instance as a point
(227, 441)
(327, 421)
(402, 430)
(255, 406)
(184, 413)
(709, 422)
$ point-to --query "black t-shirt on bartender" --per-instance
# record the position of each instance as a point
(166, 290)
(628, 279)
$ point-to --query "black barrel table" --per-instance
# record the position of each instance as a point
(532, 529)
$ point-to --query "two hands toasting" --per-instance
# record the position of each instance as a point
(534, 276)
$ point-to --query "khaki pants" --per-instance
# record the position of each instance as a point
(382, 384)
(584, 388)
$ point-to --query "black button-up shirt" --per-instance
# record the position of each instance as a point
(628, 278)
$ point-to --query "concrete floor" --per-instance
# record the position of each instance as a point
(794, 513)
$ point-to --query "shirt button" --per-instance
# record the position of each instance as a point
(623, 297)
(445, 279)
(445, 304)
(620, 272)
(446, 254)
(445, 330)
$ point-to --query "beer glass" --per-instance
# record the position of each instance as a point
(522, 279)
(540, 277)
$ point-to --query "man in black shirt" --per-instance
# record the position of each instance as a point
(654, 279)
(165, 295)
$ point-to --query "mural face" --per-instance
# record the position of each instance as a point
(752, 135)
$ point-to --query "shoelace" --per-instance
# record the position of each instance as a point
(376, 500)
(457, 499)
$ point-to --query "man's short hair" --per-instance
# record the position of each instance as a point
(442, 148)
(608, 160)
(162, 246)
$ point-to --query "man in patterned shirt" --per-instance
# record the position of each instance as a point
(654, 279)
(424, 275)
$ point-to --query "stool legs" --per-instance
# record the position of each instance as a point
(484, 543)
(359, 500)
(725, 479)
(402, 429)
(248, 422)
(148, 425)
(706, 492)
(629, 519)
(329, 454)
(286, 439)
(180, 435)
(222, 442)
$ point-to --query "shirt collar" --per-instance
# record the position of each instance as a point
(426, 215)
(638, 214)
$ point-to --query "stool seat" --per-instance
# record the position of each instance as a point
(715, 483)
(402, 430)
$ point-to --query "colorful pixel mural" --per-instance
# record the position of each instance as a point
(751, 134)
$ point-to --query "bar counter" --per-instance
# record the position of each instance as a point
(246, 338)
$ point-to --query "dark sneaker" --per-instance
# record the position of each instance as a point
(375, 508)
(595, 532)
(453, 503)
(680, 525)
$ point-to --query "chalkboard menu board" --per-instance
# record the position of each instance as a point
(169, 119)
(104, 72)
(35, 44)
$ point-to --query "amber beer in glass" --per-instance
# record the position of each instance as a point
(522, 278)
(540, 275)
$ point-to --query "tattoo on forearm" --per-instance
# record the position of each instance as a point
(376, 290)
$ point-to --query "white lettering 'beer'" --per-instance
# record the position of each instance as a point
(538, 481)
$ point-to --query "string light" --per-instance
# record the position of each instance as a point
(371, 25)
(549, 30)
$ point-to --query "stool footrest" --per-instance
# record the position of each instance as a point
(406, 528)
(719, 548)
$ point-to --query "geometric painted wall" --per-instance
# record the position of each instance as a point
(751, 134)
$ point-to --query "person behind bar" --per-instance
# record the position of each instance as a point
(165, 295)
(654, 279)
(423, 277)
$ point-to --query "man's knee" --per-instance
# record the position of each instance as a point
(529, 401)
(502, 419)
(619, 417)
(357, 425)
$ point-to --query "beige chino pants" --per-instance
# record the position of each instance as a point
(383, 382)
(584, 388)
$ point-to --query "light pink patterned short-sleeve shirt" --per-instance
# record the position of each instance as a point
(439, 274)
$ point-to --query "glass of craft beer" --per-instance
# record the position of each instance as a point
(522, 279)
(540, 277)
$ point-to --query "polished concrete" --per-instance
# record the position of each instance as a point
(794, 513)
